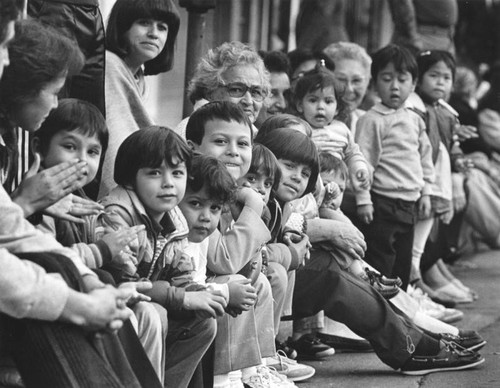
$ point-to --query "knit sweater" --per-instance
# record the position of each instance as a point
(396, 145)
(125, 112)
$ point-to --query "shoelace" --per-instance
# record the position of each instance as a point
(457, 348)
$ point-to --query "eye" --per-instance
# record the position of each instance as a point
(243, 143)
(178, 173)
(69, 146)
(251, 178)
(162, 27)
(331, 101)
(306, 173)
(216, 208)
(220, 141)
(95, 152)
(257, 92)
(143, 22)
(268, 184)
(195, 203)
(237, 89)
(153, 172)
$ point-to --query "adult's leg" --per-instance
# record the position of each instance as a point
(322, 285)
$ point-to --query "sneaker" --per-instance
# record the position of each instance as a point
(449, 358)
(309, 347)
(382, 284)
(344, 344)
(468, 339)
(433, 309)
(286, 348)
(265, 377)
(450, 290)
(290, 368)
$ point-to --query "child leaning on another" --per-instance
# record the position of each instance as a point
(151, 170)
(394, 142)
(222, 130)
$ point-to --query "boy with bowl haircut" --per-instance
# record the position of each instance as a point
(394, 142)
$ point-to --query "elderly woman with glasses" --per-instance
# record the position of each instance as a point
(232, 72)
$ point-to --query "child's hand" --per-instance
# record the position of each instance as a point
(365, 213)
(424, 207)
(332, 190)
(446, 217)
(205, 302)
(362, 179)
(464, 164)
(299, 245)
(464, 132)
(136, 295)
(246, 196)
(118, 242)
(242, 294)
(72, 207)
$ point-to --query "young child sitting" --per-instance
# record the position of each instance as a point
(319, 102)
(151, 170)
(394, 141)
(222, 130)
(76, 129)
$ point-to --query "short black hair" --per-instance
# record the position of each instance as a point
(427, 59)
(329, 162)
(402, 59)
(215, 110)
(209, 172)
(125, 12)
(283, 120)
(70, 115)
(299, 56)
(263, 160)
(296, 147)
(275, 61)
(149, 147)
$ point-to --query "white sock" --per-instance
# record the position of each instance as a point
(221, 381)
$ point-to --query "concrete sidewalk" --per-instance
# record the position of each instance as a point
(481, 272)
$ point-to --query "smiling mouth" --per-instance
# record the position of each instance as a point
(291, 187)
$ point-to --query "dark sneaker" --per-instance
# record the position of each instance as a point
(290, 352)
(382, 284)
(309, 347)
(451, 357)
(467, 339)
(344, 344)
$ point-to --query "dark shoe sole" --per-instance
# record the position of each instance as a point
(442, 369)
(345, 345)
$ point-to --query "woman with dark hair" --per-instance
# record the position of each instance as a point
(140, 40)
(52, 305)
(28, 92)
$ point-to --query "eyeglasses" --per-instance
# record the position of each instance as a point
(238, 89)
(355, 81)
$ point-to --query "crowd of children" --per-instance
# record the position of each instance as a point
(236, 220)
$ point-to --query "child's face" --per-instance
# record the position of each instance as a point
(67, 146)
(230, 142)
(294, 180)
(436, 83)
(202, 214)
(319, 107)
(260, 182)
(337, 178)
(160, 189)
(394, 87)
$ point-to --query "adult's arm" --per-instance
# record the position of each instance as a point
(345, 237)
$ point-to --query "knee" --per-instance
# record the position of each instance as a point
(151, 318)
(262, 287)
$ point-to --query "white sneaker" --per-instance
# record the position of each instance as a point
(435, 310)
(293, 370)
(267, 378)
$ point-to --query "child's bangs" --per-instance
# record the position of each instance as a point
(264, 161)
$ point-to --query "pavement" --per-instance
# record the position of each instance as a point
(480, 272)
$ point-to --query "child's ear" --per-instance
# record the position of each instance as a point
(299, 107)
(192, 145)
(36, 147)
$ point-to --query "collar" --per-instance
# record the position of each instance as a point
(385, 110)
(121, 194)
